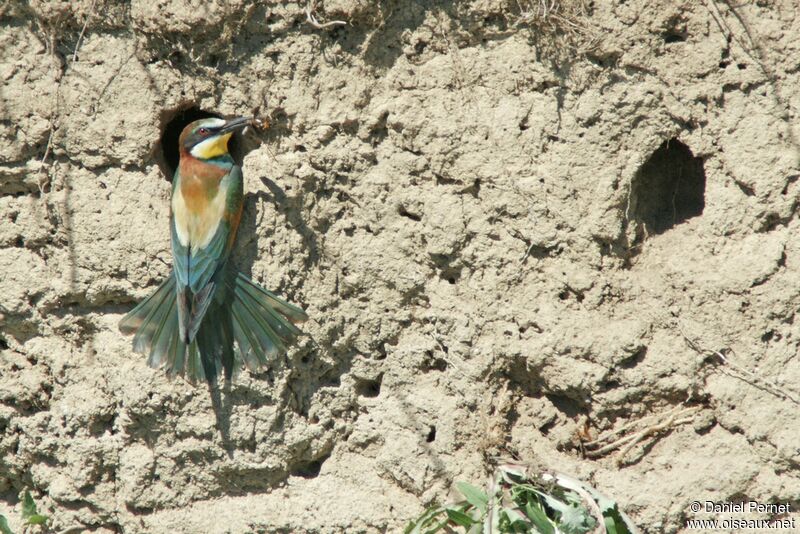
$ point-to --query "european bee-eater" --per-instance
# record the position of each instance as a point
(189, 324)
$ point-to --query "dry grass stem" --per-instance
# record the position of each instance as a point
(647, 427)
(560, 16)
(83, 30)
(312, 19)
(740, 372)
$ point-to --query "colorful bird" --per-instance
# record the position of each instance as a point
(189, 324)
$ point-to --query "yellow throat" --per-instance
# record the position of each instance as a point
(213, 147)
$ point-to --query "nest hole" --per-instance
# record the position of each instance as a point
(167, 152)
(675, 31)
(310, 469)
(369, 388)
(431, 436)
(667, 190)
(674, 36)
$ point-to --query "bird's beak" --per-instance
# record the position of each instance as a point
(236, 125)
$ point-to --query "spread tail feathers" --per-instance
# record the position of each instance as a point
(257, 320)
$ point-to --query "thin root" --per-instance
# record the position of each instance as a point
(83, 30)
(740, 372)
(312, 19)
(675, 417)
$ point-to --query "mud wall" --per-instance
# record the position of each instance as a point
(513, 230)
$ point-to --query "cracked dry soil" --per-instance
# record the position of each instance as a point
(513, 231)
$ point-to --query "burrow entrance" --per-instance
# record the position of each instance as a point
(167, 152)
(667, 190)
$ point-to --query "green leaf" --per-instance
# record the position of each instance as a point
(512, 473)
(422, 525)
(514, 517)
(535, 512)
(474, 496)
(573, 499)
(28, 506)
(553, 503)
(473, 512)
(615, 522)
(4, 528)
(576, 520)
(30, 514)
(459, 518)
(611, 526)
(512, 522)
(37, 519)
(417, 526)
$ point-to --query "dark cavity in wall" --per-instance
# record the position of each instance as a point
(167, 153)
(310, 469)
(667, 190)
(676, 31)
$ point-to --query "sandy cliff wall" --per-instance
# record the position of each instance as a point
(504, 225)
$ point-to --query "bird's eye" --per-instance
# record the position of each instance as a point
(202, 131)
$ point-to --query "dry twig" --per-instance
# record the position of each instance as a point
(39, 182)
(83, 30)
(44, 176)
(673, 418)
(553, 15)
(312, 19)
(444, 353)
(740, 372)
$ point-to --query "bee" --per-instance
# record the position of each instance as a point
(259, 123)
(584, 434)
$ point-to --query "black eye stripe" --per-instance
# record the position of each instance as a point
(206, 130)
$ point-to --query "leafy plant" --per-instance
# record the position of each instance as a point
(4, 528)
(30, 515)
(518, 503)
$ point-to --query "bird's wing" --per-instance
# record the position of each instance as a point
(196, 267)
